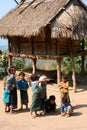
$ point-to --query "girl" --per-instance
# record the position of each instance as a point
(64, 87)
(11, 85)
(36, 103)
(23, 87)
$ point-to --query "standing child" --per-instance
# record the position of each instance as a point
(23, 87)
(43, 92)
(64, 87)
(11, 84)
(6, 97)
(36, 103)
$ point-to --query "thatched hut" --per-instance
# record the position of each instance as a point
(46, 29)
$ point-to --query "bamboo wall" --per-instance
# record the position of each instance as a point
(38, 46)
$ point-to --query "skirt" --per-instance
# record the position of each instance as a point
(6, 96)
(13, 98)
(36, 102)
(24, 97)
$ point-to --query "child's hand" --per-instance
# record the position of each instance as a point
(60, 86)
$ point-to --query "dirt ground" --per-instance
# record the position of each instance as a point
(23, 121)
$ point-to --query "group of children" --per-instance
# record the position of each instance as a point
(39, 96)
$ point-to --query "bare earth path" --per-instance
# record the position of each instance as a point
(23, 120)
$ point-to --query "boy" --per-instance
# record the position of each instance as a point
(23, 87)
(50, 105)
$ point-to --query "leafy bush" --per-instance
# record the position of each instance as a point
(18, 63)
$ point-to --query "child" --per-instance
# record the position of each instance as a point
(36, 103)
(6, 97)
(66, 108)
(50, 105)
(64, 86)
(23, 87)
(43, 93)
(11, 84)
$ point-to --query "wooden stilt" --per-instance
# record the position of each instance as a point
(83, 61)
(73, 75)
(83, 68)
(10, 56)
(73, 65)
(10, 61)
(34, 65)
(58, 70)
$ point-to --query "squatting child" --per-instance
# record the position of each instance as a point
(50, 105)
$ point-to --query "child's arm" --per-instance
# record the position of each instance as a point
(60, 85)
(66, 85)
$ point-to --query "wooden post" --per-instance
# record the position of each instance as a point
(73, 65)
(73, 75)
(82, 68)
(34, 65)
(48, 46)
(83, 62)
(58, 70)
(10, 57)
(10, 61)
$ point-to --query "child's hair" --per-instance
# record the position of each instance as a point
(10, 68)
(52, 97)
(21, 74)
(34, 77)
(64, 77)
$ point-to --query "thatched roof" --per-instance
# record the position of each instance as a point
(29, 18)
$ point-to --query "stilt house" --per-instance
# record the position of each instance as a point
(46, 29)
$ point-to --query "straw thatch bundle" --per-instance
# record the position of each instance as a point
(67, 18)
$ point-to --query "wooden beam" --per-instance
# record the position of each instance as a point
(45, 57)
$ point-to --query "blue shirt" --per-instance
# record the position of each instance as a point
(35, 87)
(22, 84)
(11, 81)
